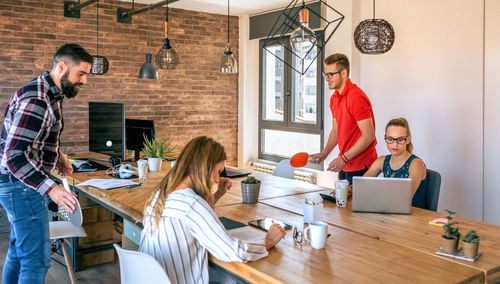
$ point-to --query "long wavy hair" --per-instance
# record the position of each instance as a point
(197, 161)
(402, 122)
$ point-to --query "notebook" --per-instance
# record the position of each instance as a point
(381, 195)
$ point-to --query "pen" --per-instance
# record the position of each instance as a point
(131, 186)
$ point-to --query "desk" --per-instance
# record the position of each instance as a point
(348, 257)
(350, 254)
(410, 231)
(128, 203)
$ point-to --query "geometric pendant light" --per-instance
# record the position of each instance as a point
(100, 64)
(374, 36)
(228, 63)
(166, 57)
(292, 32)
(149, 70)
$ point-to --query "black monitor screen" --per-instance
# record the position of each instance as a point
(107, 128)
(135, 131)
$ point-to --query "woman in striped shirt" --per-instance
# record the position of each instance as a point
(180, 225)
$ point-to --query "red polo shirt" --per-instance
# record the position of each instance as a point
(347, 109)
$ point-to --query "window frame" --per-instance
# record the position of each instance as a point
(288, 100)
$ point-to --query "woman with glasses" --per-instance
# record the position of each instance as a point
(180, 225)
(401, 163)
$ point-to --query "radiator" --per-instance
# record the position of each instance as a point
(298, 175)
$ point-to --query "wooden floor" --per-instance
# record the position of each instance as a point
(104, 273)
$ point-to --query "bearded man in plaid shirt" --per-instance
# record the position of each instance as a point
(29, 151)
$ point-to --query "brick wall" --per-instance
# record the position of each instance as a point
(195, 99)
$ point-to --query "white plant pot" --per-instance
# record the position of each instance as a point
(154, 164)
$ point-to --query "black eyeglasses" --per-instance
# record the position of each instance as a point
(298, 236)
(400, 140)
(331, 74)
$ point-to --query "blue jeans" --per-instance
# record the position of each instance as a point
(28, 258)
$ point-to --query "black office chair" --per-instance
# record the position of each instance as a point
(433, 188)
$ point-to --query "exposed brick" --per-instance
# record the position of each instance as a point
(195, 99)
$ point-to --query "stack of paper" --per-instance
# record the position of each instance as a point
(106, 183)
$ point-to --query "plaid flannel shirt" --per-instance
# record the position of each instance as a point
(29, 144)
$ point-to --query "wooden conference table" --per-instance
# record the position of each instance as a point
(363, 247)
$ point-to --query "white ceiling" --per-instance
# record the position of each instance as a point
(237, 7)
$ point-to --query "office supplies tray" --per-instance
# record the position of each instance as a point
(459, 254)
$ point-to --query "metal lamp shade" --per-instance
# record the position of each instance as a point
(100, 65)
(228, 62)
(374, 36)
(149, 70)
(167, 58)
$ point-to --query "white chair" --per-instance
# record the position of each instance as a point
(72, 228)
(139, 267)
(284, 169)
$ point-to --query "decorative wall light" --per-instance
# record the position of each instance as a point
(100, 64)
(294, 19)
(167, 58)
(149, 70)
(374, 36)
(228, 61)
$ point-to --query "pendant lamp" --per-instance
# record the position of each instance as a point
(228, 61)
(167, 58)
(302, 39)
(100, 64)
(374, 36)
(293, 31)
(149, 70)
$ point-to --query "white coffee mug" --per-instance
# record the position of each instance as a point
(318, 231)
(142, 166)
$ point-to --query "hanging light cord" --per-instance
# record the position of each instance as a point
(166, 15)
(149, 24)
(166, 21)
(97, 23)
(227, 21)
(373, 9)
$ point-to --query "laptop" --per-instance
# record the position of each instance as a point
(381, 195)
(232, 173)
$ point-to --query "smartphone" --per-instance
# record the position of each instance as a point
(266, 223)
(327, 197)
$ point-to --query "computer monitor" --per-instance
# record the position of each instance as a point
(107, 129)
(135, 130)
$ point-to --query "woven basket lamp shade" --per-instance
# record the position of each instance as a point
(374, 36)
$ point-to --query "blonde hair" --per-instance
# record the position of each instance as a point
(402, 122)
(197, 161)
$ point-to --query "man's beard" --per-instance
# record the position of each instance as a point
(69, 89)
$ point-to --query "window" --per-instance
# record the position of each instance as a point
(290, 110)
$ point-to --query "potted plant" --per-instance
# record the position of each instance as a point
(471, 244)
(250, 188)
(157, 150)
(451, 236)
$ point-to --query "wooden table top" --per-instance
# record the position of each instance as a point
(274, 186)
(131, 202)
(348, 257)
(410, 231)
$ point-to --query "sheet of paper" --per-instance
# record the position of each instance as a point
(247, 233)
(108, 183)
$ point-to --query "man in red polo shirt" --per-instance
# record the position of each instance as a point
(353, 122)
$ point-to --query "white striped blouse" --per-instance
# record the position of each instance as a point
(187, 229)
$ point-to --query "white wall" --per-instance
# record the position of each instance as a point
(491, 113)
(248, 105)
(433, 76)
